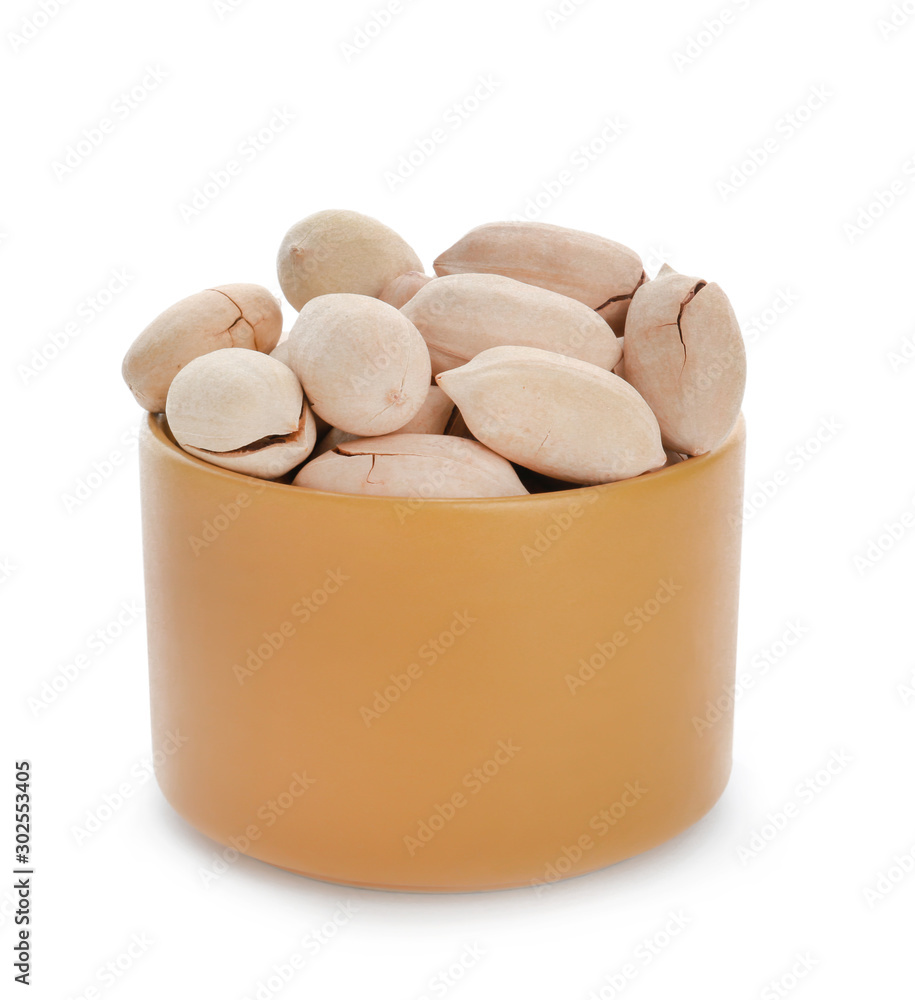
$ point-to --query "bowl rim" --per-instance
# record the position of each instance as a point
(158, 431)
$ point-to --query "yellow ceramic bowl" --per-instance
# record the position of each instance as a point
(441, 695)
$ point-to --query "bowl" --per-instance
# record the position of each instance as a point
(441, 695)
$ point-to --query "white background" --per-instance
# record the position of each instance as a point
(822, 229)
